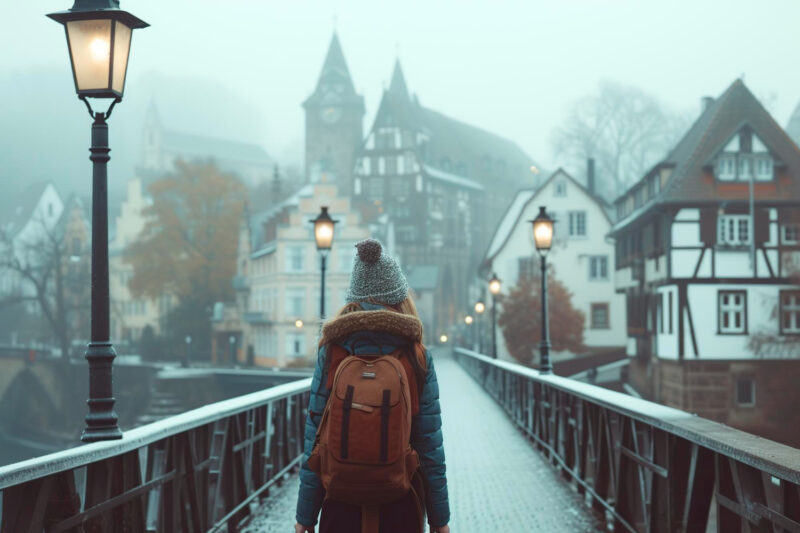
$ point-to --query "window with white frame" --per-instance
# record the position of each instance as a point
(790, 233)
(745, 168)
(560, 188)
(732, 312)
(295, 258)
(599, 316)
(598, 267)
(790, 312)
(745, 391)
(726, 168)
(295, 344)
(295, 302)
(577, 223)
(764, 169)
(733, 230)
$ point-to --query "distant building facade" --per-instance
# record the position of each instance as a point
(707, 256)
(443, 183)
(162, 147)
(278, 279)
(581, 258)
(131, 315)
(25, 227)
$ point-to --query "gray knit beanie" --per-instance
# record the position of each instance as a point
(376, 276)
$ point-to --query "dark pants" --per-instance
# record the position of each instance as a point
(396, 517)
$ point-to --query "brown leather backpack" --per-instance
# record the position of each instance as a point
(362, 452)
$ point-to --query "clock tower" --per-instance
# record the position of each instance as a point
(334, 123)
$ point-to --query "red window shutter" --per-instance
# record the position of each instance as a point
(708, 225)
(761, 229)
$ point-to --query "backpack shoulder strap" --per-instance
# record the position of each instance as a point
(336, 353)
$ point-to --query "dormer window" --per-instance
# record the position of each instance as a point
(764, 170)
(726, 168)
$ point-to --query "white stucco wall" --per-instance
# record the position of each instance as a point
(569, 257)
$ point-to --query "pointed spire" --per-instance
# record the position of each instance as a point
(334, 59)
(398, 83)
(335, 75)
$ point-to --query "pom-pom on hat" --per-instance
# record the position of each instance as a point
(376, 277)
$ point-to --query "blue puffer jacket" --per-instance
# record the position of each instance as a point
(390, 330)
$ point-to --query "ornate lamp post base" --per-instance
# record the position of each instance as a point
(101, 421)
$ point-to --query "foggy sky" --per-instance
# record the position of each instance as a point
(241, 68)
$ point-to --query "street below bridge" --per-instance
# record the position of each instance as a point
(497, 480)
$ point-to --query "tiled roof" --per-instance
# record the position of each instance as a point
(689, 182)
(454, 140)
(19, 209)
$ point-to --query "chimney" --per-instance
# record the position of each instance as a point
(276, 184)
(705, 103)
(590, 175)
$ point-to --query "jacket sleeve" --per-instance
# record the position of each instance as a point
(309, 499)
(426, 439)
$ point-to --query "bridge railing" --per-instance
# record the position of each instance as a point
(645, 466)
(194, 472)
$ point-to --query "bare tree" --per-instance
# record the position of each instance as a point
(50, 274)
(766, 342)
(625, 129)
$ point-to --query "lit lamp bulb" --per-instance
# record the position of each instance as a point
(99, 48)
(468, 320)
(480, 307)
(298, 323)
(542, 231)
(323, 229)
(443, 339)
(494, 284)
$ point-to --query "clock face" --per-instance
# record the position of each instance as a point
(330, 114)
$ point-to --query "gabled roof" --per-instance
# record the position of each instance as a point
(335, 73)
(690, 157)
(257, 220)
(18, 210)
(208, 147)
(517, 207)
(451, 139)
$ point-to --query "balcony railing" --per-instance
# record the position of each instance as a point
(647, 467)
(194, 472)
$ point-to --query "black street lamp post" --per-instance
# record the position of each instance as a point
(324, 227)
(543, 239)
(480, 307)
(232, 342)
(99, 38)
(187, 354)
(494, 288)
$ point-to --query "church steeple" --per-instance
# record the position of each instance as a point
(334, 83)
(334, 121)
(398, 84)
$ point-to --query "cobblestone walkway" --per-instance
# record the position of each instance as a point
(497, 481)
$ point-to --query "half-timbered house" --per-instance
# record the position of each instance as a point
(707, 244)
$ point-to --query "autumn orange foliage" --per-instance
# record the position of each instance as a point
(520, 319)
(188, 245)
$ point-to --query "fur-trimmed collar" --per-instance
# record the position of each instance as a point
(385, 321)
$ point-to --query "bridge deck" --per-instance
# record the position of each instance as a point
(497, 480)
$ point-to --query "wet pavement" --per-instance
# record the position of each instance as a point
(496, 479)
